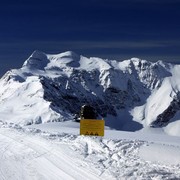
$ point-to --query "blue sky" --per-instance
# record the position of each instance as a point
(114, 29)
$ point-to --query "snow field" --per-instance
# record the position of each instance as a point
(33, 158)
(61, 155)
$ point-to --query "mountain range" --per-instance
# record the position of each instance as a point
(130, 95)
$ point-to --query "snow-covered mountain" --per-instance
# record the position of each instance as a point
(129, 95)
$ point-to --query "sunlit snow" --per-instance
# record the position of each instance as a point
(139, 101)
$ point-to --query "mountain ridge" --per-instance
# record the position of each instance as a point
(117, 90)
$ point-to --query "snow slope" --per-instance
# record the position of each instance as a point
(56, 151)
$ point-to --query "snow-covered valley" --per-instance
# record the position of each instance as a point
(139, 101)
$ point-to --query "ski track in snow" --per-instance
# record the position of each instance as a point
(32, 154)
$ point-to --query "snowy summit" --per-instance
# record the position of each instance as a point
(129, 95)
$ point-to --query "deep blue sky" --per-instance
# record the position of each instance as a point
(114, 29)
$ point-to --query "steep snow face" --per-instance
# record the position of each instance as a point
(164, 102)
(54, 87)
(24, 103)
(155, 105)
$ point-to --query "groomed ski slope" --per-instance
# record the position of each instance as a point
(56, 151)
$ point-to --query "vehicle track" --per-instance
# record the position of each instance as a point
(39, 159)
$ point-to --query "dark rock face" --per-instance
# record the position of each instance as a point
(164, 118)
(69, 94)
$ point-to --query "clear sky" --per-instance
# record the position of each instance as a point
(113, 29)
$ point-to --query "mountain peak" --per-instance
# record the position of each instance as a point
(38, 54)
(69, 54)
(38, 60)
(60, 84)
